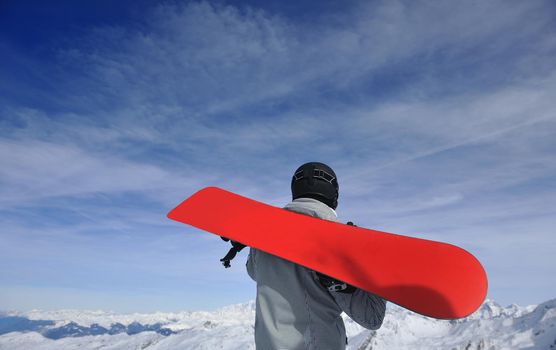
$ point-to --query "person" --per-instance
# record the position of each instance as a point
(298, 308)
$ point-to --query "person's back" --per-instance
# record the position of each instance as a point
(294, 311)
(295, 306)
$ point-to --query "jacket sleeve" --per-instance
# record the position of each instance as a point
(250, 264)
(366, 309)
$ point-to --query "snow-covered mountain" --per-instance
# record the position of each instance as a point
(491, 327)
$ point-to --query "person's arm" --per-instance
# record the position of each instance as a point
(365, 308)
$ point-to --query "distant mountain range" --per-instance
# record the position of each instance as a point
(491, 327)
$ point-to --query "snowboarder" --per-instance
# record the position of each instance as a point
(298, 308)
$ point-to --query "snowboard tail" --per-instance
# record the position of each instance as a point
(431, 278)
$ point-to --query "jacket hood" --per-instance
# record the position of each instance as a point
(312, 207)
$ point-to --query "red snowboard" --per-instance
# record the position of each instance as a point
(431, 278)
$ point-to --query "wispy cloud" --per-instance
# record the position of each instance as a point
(438, 118)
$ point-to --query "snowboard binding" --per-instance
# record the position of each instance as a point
(236, 248)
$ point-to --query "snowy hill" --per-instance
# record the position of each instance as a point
(491, 327)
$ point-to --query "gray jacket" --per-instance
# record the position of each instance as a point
(294, 311)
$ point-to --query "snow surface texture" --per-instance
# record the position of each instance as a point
(491, 327)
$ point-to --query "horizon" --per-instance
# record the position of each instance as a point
(389, 306)
(438, 119)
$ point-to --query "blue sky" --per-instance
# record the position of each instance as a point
(438, 118)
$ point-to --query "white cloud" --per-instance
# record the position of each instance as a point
(35, 169)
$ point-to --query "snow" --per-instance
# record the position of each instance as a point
(491, 327)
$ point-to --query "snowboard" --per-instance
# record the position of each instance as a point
(431, 278)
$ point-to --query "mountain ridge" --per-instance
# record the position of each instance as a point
(491, 327)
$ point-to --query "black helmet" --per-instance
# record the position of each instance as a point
(318, 181)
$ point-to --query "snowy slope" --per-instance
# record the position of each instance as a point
(491, 327)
